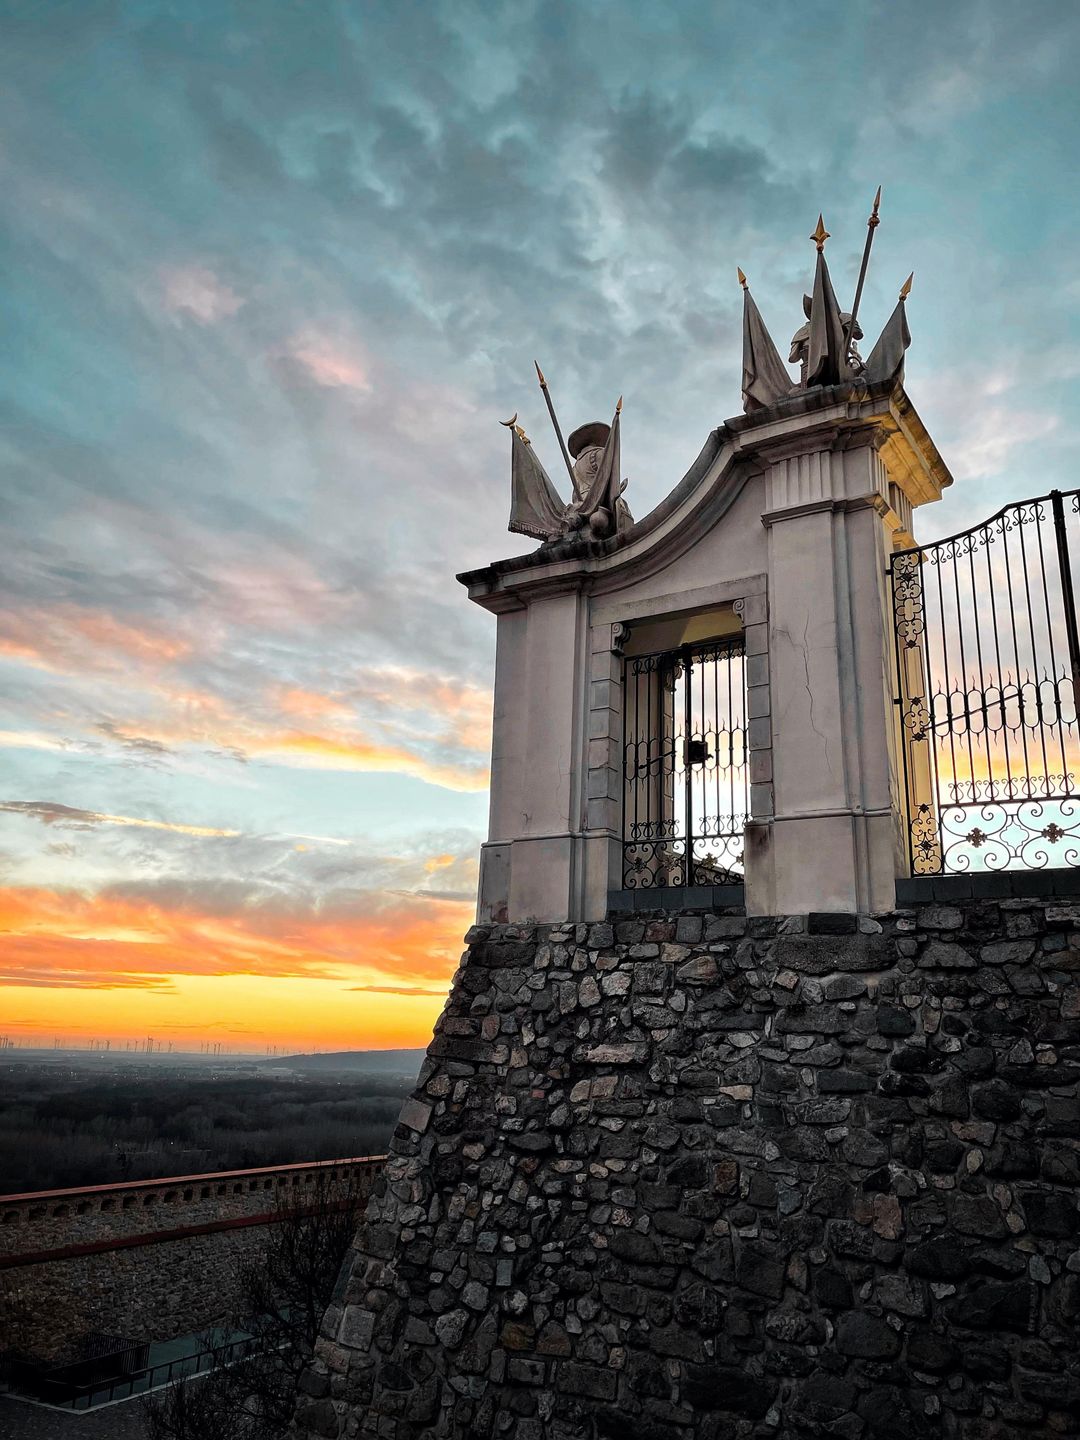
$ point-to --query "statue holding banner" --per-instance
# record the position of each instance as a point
(597, 510)
(824, 348)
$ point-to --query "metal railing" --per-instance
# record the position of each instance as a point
(685, 773)
(62, 1392)
(987, 679)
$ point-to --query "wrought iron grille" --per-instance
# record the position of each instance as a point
(988, 666)
(684, 766)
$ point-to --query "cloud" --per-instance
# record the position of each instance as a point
(992, 433)
(195, 291)
(68, 816)
(294, 700)
(397, 990)
(144, 935)
(73, 639)
(37, 740)
(332, 752)
(330, 362)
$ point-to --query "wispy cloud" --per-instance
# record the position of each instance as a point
(195, 291)
(331, 362)
(146, 936)
(69, 816)
(396, 990)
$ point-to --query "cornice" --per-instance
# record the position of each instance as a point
(838, 417)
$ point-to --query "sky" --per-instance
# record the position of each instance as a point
(271, 274)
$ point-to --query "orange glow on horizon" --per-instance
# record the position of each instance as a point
(126, 965)
(239, 1012)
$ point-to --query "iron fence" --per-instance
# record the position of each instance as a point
(987, 673)
(684, 766)
(66, 1391)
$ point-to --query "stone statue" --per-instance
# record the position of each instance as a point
(597, 510)
(588, 448)
(800, 341)
(824, 348)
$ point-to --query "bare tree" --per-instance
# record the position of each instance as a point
(284, 1295)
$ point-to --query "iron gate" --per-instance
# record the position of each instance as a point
(684, 766)
(988, 665)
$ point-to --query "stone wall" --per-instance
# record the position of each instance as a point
(715, 1177)
(146, 1260)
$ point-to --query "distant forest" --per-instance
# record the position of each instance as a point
(59, 1128)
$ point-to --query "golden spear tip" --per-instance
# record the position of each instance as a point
(618, 406)
(742, 277)
(540, 375)
(905, 289)
(820, 235)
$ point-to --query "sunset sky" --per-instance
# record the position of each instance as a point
(271, 274)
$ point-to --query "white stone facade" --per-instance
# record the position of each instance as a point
(784, 525)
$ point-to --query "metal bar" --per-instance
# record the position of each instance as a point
(1016, 660)
(1065, 567)
(948, 692)
(1038, 725)
(555, 422)
(997, 515)
(627, 671)
(1059, 729)
(898, 701)
(964, 682)
(688, 799)
(871, 225)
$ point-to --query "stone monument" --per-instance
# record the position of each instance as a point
(713, 1141)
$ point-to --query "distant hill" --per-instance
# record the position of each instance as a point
(369, 1062)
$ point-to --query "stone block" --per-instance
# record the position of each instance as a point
(586, 1380)
(866, 1337)
(630, 1053)
(356, 1328)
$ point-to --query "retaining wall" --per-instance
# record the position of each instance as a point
(703, 1176)
(146, 1260)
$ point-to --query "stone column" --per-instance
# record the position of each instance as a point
(530, 868)
(600, 869)
(831, 840)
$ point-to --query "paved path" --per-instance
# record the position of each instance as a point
(20, 1420)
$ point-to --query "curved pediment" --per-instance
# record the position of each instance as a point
(835, 417)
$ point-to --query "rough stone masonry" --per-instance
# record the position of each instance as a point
(716, 1177)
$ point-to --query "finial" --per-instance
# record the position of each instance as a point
(512, 424)
(742, 277)
(618, 406)
(540, 376)
(820, 235)
(905, 289)
(875, 218)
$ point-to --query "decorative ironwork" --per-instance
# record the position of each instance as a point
(988, 679)
(684, 766)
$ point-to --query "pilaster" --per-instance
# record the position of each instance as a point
(832, 837)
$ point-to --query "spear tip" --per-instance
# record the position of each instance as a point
(540, 376)
(820, 235)
(875, 219)
(742, 277)
(905, 289)
(618, 406)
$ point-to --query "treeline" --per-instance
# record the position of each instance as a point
(61, 1130)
